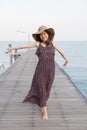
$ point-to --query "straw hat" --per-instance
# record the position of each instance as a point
(41, 29)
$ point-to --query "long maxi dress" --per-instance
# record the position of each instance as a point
(43, 76)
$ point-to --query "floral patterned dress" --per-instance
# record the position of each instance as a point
(43, 76)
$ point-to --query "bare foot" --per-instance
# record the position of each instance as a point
(44, 113)
(45, 116)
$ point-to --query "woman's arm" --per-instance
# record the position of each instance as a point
(32, 45)
(61, 52)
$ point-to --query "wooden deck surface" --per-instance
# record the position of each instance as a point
(67, 108)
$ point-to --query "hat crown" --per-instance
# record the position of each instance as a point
(41, 28)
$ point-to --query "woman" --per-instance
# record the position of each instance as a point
(45, 70)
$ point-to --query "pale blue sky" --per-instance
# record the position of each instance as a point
(67, 17)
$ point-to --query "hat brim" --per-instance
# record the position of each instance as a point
(50, 31)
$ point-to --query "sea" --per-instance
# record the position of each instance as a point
(76, 52)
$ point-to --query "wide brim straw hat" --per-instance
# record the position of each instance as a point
(42, 29)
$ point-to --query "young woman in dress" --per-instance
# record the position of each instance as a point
(45, 69)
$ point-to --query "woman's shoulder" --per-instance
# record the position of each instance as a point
(54, 44)
(37, 44)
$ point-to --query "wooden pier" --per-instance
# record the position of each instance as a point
(67, 107)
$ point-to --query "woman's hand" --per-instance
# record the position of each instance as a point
(66, 62)
(8, 50)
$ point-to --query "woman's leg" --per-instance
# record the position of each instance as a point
(44, 112)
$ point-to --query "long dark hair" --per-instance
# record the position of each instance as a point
(50, 38)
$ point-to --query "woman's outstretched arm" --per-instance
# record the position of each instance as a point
(61, 52)
(32, 45)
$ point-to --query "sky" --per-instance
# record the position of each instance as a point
(20, 18)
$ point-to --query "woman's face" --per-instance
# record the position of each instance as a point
(44, 36)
